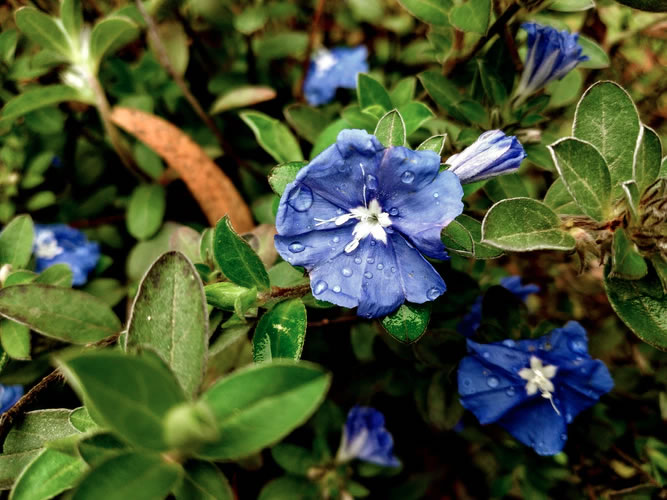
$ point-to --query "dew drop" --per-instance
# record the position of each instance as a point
(296, 247)
(393, 211)
(357, 260)
(433, 293)
(568, 417)
(577, 345)
(380, 266)
(467, 382)
(336, 289)
(389, 230)
(486, 354)
(300, 198)
(336, 239)
(320, 287)
(368, 274)
(492, 382)
(435, 195)
(510, 391)
(371, 182)
(508, 343)
(339, 211)
(373, 243)
(407, 177)
(563, 437)
(346, 271)
(393, 269)
(370, 260)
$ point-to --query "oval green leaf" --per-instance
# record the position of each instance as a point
(280, 332)
(408, 323)
(49, 474)
(146, 210)
(390, 130)
(16, 242)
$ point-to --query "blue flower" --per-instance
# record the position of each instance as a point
(331, 69)
(58, 243)
(365, 437)
(471, 321)
(9, 395)
(492, 154)
(359, 217)
(552, 54)
(533, 388)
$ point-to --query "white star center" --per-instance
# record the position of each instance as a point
(539, 378)
(324, 61)
(46, 245)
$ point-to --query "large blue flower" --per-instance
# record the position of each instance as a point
(331, 69)
(9, 395)
(533, 388)
(359, 217)
(492, 154)
(365, 437)
(552, 54)
(471, 321)
(58, 243)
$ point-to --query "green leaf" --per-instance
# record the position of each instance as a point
(228, 296)
(506, 186)
(646, 165)
(523, 225)
(571, 5)
(236, 259)
(434, 12)
(130, 475)
(44, 30)
(408, 323)
(474, 227)
(390, 130)
(51, 473)
(146, 210)
(71, 16)
(280, 332)
(81, 420)
(660, 266)
(308, 122)
(15, 339)
(16, 242)
(597, 56)
(100, 447)
(203, 481)
(361, 119)
(414, 114)
(110, 34)
(274, 137)
(457, 239)
(632, 197)
(38, 428)
(12, 464)
(38, 97)
(259, 405)
(626, 262)
(294, 459)
(282, 175)
(176, 44)
(40, 200)
(169, 316)
(566, 90)
(447, 95)
(642, 305)
(328, 136)
(472, 16)
(370, 92)
(404, 91)
(585, 175)
(56, 275)
(607, 118)
(132, 394)
(434, 143)
(8, 41)
(647, 5)
(60, 313)
(560, 200)
(241, 97)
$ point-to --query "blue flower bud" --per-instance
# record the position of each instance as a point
(552, 54)
(492, 154)
(58, 243)
(331, 69)
(365, 437)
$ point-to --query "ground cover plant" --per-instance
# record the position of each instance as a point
(282, 249)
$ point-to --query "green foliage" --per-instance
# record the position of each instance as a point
(390, 130)
(16, 242)
(280, 332)
(146, 210)
(408, 323)
(273, 136)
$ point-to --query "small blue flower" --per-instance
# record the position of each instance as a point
(533, 388)
(359, 217)
(58, 243)
(552, 54)
(9, 395)
(471, 321)
(331, 69)
(492, 154)
(365, 437)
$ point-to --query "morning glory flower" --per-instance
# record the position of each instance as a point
(331, 69)
(361, 217)
(552, 54)
(365, 437)
(471, 321)
(58, 243)
(492, 154)
(9, 395)
(533, 388)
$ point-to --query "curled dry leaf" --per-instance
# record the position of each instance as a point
(212, 189)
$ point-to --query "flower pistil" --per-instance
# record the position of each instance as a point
(539, 378)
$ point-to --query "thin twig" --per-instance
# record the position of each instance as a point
(631, 489)
(637, 465)
(326, 321)
(163, 58)
(311, 44)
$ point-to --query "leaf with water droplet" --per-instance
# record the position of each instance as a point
(280, 332)
(408, 323)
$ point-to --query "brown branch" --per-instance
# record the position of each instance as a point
(311, 43)
(326, 321)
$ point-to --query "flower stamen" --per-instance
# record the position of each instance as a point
(539, 378)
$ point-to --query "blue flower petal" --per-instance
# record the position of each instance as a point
(365, 438)
(514, 285)
(314, 247)
(9, 395)
(73, 249)
(330, 70)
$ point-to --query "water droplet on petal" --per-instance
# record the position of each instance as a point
(296, 247)
(300, 198)
(368, 274)
(370, 260)
(508, 343)
(393, 211)
(371, 181)
(357, 260)
(433, 293)
(389, 230)
(393, 269)
(435, 195)
(563, 437)
(467, 382)
(346, 271)
(510, 391)
(336, 289)
(486, 354)
(380, 266)
(373, 243)
(568, 417)
(577, 345)
(319, 287)
(336, 239)
(407, 177)
(492, 382)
